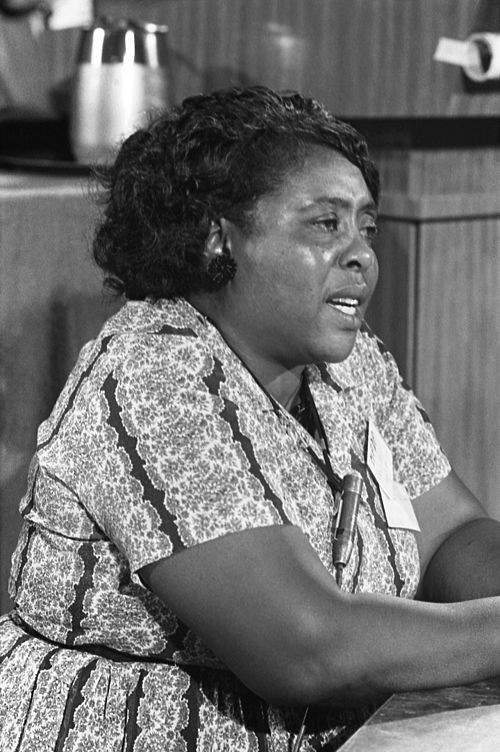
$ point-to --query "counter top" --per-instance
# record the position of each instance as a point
(465, 718)
(19, 182)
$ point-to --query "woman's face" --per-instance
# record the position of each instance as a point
(307, 272)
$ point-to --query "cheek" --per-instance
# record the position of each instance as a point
(300, 272)
(374, 273)
(283, 272)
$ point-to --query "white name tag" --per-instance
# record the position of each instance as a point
(378, 455)
(398, 508)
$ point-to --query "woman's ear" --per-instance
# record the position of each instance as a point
(220, 265)
(214, 243)
(218, 240)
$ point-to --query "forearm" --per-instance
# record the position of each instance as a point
(466, 566)
(390, 645)
(266, 606)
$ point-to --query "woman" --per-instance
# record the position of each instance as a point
(174, 581)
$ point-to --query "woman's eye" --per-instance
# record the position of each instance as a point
(330, 224)
(370, 232)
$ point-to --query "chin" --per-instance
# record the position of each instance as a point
(339, 350)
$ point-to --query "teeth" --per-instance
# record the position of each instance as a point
(345, 305)
(346, 301)
(345, 309)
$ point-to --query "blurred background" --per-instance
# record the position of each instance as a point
(433, 131)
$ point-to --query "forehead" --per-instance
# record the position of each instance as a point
(323, 176)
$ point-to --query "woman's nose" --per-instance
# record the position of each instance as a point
(358, 254)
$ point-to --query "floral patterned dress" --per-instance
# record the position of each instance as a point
(160, 440)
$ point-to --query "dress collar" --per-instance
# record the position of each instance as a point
(341, 376)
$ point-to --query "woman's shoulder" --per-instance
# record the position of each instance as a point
(143, 343)
(151, 347)
(143, 317)
(146, 351)
(146, 331)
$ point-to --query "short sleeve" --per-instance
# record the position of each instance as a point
(168, 465)
(419, 461)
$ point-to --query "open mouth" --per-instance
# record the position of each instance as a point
(347, 306)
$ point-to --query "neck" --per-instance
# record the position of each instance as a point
(282, 382)
(285, 389)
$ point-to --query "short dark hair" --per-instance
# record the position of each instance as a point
(213, 156)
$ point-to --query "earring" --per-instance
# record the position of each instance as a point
(221, 269)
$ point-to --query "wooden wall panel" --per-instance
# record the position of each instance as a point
(363, 58)
(436, 308)
(434, 171)
(458, 346)
(392, 310)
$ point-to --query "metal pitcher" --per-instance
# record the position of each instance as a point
(121, 74)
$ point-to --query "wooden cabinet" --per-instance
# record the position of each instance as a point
(437, 309)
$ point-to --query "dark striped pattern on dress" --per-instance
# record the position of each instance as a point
(132, 727)
(230, 415)
(74, 699)
(326, 377)
(85, 584)
(103, 348)
(129, 445)
(381, 526)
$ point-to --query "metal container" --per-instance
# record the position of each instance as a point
(121, 74)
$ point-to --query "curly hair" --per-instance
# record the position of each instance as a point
(213, 156)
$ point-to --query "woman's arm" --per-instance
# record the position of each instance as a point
(264, 603)
(459, 544)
